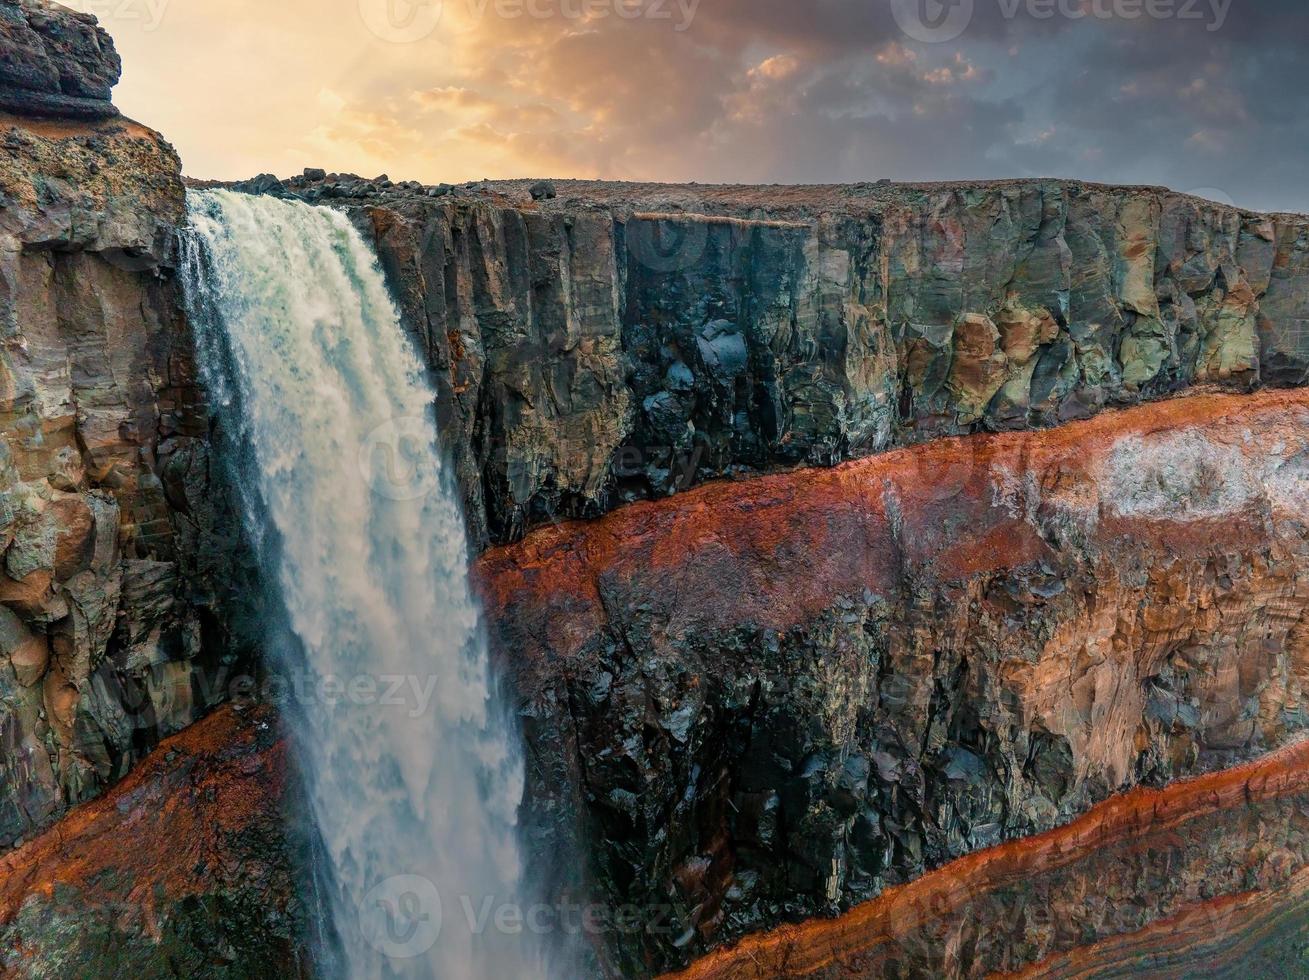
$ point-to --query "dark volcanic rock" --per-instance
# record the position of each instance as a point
(772, 699)
(262, 184)
(1208, 877)
(55, 61)
(607, 347)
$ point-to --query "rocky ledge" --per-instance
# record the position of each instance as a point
(774, 699)
(596, 344)
(55, 62)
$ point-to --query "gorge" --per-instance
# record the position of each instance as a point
(878, 580)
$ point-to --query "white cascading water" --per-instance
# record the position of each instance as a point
(412, 767)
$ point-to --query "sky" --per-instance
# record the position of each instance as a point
(1206, 96)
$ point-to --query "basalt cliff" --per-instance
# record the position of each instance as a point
(892, 580)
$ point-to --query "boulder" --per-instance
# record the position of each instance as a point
(55, 61)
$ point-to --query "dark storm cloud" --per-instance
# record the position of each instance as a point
(1189, 93)
(1192, 93)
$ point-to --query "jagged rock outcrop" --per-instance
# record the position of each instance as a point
(1206, 877)
(114, 549)
(774, 699)
(621, 342)
(55, 62)
(185, 869)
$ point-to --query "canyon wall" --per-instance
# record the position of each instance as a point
(777, 698)
(921, 520)
(622, 342)
(113, 551)
(1041, 737)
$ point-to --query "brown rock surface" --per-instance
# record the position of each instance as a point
(111, 546)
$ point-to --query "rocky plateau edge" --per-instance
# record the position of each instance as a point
(605, 343)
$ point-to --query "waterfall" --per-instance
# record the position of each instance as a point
(411, 765)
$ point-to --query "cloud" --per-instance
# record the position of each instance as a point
(751, 90)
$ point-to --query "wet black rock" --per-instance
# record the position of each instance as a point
(263, 184)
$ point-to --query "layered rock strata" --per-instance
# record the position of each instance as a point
(620, 342)
(774, 699)
(1209, 876)
(113, 547)
(761, 701)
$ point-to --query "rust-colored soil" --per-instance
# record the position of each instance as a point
(165, 829)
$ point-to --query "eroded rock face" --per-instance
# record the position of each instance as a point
(622, 342)
(113, 546)
(55, 62)
(774, 699)
(1206, 877)
(185, 869)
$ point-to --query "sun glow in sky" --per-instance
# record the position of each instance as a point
(1196, 94)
